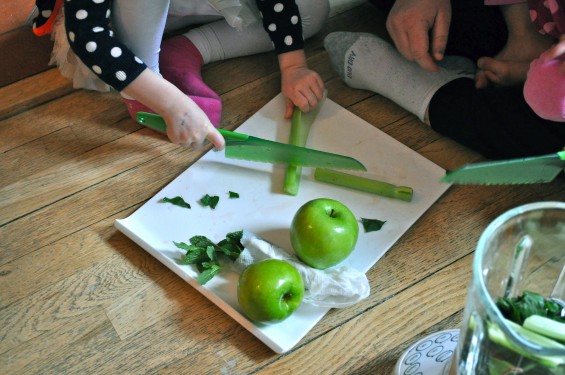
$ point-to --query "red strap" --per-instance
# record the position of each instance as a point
(47, 26)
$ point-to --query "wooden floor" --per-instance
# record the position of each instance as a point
(78, 297)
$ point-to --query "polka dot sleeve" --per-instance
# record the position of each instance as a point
(91, 39)
(281, 19)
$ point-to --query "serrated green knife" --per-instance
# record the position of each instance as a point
(531, 170)
(246, 147)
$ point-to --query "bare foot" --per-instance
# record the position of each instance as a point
(500, 72)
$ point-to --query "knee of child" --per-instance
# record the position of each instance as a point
(314, 15)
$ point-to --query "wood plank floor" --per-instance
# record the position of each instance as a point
(77, 296)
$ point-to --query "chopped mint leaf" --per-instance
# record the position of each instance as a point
(233, 194)
(372, 225)
(518, 309)
(203, 253)
(209, 273)
(211, 201)
(177, 201)
(201, 241)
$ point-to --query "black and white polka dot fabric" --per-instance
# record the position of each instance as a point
(90, 36)
(281, 19)
(87, 24)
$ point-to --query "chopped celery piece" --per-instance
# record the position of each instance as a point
(545, 326)
(299, 130)
(385, 189)
(496, 335)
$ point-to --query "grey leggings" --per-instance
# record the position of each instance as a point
(140, 25)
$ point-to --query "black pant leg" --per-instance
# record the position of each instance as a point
(496, 122)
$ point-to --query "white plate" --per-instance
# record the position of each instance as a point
(265, 210)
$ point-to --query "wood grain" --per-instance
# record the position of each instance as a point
(78, 296)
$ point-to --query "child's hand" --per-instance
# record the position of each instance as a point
(187, 124)
(300, 85)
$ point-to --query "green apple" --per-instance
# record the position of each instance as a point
(270, 290)
(323, 232)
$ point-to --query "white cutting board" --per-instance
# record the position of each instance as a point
(265, 210)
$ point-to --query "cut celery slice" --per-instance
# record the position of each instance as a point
(385, 189)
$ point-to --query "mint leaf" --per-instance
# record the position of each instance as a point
(177, 201)
(518, 309)
(211, 201)
(372, 225)
(201, 241)
(211, 252)
(202, 253)
(208, 274)
(233, 194)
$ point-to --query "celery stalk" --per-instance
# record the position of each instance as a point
(496, 335)
(545, 326)
(385, 189)
(299, 130)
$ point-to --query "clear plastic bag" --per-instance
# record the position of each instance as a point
(332, 287)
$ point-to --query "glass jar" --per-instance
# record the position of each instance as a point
(523, 250)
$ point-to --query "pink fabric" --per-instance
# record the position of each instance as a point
(134, 106)
(503, 2)
(180, 63)
(548, 16)
(544, 90)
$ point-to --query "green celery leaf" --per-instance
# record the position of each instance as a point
(233, 194)
(371, 225)
(177, 201)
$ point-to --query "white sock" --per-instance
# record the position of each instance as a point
(367, 62)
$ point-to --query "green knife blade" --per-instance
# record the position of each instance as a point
(531, 170)
(246, 147)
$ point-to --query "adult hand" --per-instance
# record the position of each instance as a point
(409, 24)
(301, 86)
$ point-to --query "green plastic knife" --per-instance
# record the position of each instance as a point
(531, 170)
(246, 147)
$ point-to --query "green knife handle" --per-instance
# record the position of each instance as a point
(156, 122)
(561, 155)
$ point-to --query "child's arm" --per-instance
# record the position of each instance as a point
(92, 40)
(301, 86)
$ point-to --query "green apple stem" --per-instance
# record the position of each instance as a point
(385, 189)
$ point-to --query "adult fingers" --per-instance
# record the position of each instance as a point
(401, 42)
(419, 48)
(440, 33)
